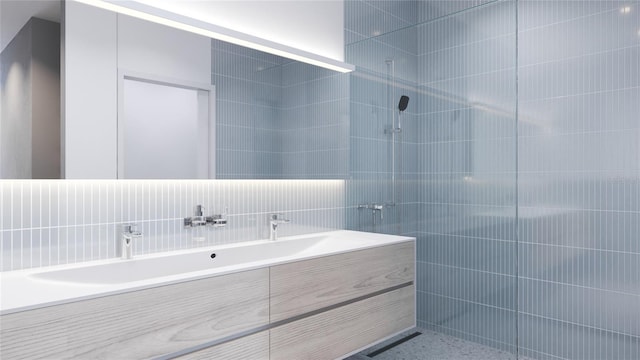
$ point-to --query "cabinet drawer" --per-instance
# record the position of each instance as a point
(304, 286)
(140, 324)
(337, 332)
(253, 347)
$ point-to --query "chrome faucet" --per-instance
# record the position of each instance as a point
(129, 233)
(198, 219)
(274, 221)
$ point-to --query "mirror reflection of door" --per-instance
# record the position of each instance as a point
(164, 131)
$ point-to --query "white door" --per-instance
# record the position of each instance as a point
(164, 131)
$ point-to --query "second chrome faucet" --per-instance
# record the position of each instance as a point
(274, 221)
(129, 232)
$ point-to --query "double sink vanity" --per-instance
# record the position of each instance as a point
(318, 296)
(172, 105)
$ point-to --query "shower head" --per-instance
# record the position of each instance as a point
(404, 101)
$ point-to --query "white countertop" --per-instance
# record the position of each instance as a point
(29, 289)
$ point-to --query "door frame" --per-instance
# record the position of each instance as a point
(206, 118)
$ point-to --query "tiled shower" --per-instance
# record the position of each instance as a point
(520, 165)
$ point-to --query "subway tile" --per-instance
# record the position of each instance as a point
(158, 208)
(466, 284)
(485, 56)
(598, 269)
(404, 10)
(588, 27)
(294, 101)
(466, 27)
(470, 318)
(580, 305)
(477, 254)
(429, 10)
(573, 341)
(6, 205)
(535, 14)
(372, 55)
(369, 19)
(598, 72)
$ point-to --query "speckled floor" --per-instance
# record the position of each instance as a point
(435, 346)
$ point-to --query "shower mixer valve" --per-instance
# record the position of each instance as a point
(374, 208)
(392, 130)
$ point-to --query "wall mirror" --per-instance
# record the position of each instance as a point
(246, 114)
(164, 127)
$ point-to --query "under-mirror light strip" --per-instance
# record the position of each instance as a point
(159, 16)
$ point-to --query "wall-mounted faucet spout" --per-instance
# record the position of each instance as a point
(198, 218)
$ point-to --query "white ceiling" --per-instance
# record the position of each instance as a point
(15, 13)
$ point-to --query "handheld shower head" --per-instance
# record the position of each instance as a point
(404, 101)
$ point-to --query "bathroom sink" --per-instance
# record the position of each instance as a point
(228, 258)
(33, 288)
(175, 263)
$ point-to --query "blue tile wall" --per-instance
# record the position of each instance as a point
(377, 31)
(277, 118)
(534, 235)
(248, 102)
(367, 19)
(314, 122)
(467, 238)
(457, 185)
(373, 102)
(434, 9)
(579, 179)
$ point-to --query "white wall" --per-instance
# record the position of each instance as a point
(159, 50)
(97, 44)
(14, 14)
(45, 92)
(316, 26)
(30, 103)
(16, 107)
(90, 92)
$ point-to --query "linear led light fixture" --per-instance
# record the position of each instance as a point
(160, 16)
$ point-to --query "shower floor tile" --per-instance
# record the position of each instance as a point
(435, 346)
